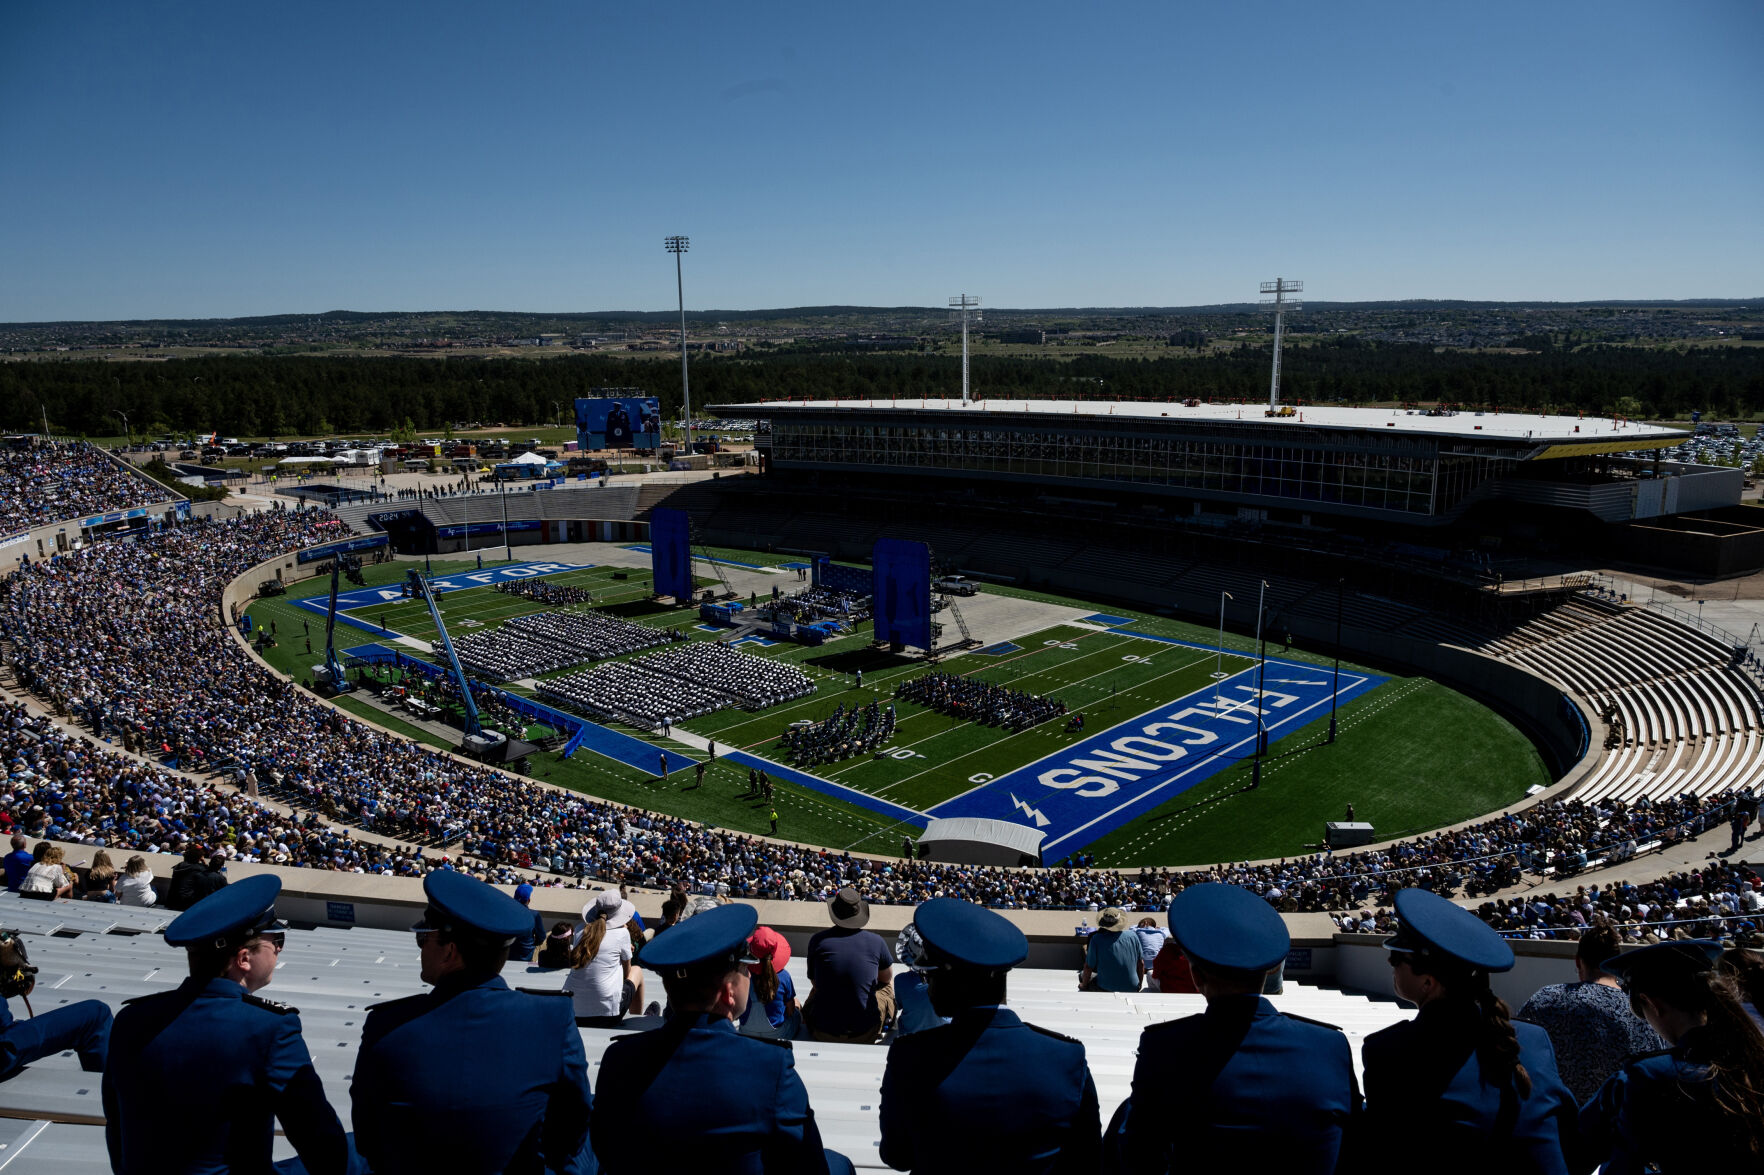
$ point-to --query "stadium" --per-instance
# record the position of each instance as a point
(1174, 643)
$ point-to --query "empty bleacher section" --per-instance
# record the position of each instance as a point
(1685, 719)
(545, 641)
(678, 683)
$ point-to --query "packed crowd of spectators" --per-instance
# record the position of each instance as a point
(129, 640)
(979, 701)
(1716, 900)
(40, 484)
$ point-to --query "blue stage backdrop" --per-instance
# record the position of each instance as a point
(670, 553)
(902, 592)
(619, 418)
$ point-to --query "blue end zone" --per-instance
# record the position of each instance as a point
(707, 628)
(1081, 793)
(828, 788)
(369, 597)
(796, 566)
(998, 650)
(1104, 619)
(753, 640)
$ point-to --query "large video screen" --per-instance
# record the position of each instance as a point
(902, 592)
(670, 536)
(618, 422)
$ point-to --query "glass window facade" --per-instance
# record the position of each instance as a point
(1284, 465)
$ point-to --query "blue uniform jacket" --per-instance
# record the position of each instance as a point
(470, 1079)
(1660, 1108)
(1425, 1095)
(1240, 1085)
(196, 1078)
(987, 1092)
(693, 1095)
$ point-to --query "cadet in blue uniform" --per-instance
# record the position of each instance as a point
(693, 1095)
(471, 1077)
(198, 1076)
(84, 1026)
(985, 1092)
(1460, 1083)
(1698, 1105)
(1240, 1084)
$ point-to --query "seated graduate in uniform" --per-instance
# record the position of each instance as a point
(1241, 1084)
(1697, 1105)
(471, 1077)
(198, 1076)
(84, 1026)
(694, 1095)
(1461, 1083)
(986, 1091)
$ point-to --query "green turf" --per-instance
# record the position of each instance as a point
(1411, 754)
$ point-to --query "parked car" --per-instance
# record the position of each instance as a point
(956, 585)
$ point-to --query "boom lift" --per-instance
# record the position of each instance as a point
(330, 677)
(479, 743)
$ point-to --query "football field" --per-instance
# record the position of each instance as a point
(1161, 772)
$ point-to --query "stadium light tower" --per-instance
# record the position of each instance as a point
(1280, 303)
(677, 246)
(964, 303)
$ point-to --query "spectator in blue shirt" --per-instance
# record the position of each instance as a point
(1112, 958)
(18, 862)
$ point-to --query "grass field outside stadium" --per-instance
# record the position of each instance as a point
(1412, 754)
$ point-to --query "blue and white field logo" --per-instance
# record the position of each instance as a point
(1093, 787)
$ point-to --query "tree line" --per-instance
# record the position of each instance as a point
(255, 395)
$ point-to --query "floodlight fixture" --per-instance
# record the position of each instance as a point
(677, 246)
(1280, 303)
(965, 303)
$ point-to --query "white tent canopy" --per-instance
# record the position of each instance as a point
(528, 459)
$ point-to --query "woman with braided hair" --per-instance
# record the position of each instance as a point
(1461, 1083)
(1699, 1104)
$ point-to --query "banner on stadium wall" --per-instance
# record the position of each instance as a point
(480, 528)
(113, 516)
(630, 421)
(670, 539)
(17, 538)
(901, 592)
(368, 543)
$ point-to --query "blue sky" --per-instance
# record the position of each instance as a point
(194, 159)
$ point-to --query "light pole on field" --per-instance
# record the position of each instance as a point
(677, 246)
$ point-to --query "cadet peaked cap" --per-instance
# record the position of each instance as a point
(718, 935)
(229, 915)
(1432, 927)
(1662, 959)
(962, 934)
(458, 902)
(1228, 926)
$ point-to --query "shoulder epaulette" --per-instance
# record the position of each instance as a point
(271, 1005)
(1052, 1033)
(1318, 1023)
